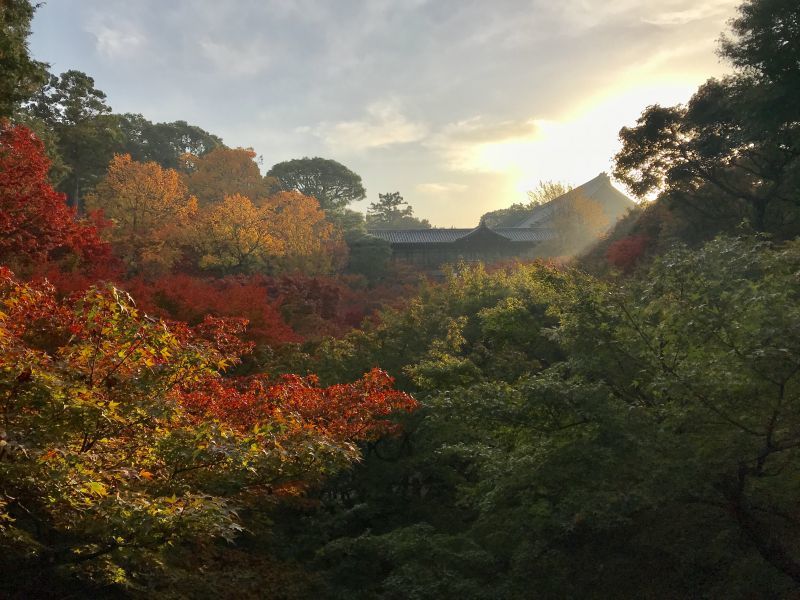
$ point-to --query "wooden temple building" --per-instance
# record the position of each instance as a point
(433, 247)
(522, 239)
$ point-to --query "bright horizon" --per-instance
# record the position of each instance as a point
(459, 110)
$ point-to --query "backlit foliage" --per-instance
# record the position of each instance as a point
(148, 205)
(120, 437)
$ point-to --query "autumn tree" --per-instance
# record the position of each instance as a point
(235, 236)
(148, 205)
(331, 183)
(392, 212)
(36, 225)
(21, 75)
(225, 172)
(284, 232)
(311, 244)
(122, 442)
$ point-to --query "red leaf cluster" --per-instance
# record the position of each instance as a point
(186, 298)
(625, 253)
(36, 225)
(344, 412)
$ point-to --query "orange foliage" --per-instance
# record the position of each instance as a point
(148, 206)
(311, 245)
(225, 172)
(285, 232)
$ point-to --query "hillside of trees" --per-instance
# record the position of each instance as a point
(215, 384)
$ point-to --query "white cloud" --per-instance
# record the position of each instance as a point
(117, 42)
(463, 143)
(382, 125)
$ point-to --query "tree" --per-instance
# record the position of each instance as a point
(733, 152)
(764, 47)
(36, 225)
(368, 256)
(87, 133)
(164, 143)
(284, 232)
(392, 212)
(122, 444)
(235, 236)
(311, 244)
(331, 183)
(544, 192)
(149, 206)
(225, 172)
(20, 75)
(692, 347)
(573, 424)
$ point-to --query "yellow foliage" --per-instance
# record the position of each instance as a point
(148, 205)
(287, 231)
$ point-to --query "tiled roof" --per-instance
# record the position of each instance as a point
(446, 236)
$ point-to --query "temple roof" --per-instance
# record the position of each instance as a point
(615, 204)
(446, 236)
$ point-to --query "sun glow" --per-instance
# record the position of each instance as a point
(579, 145)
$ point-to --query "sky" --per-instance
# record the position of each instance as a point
(460, 105)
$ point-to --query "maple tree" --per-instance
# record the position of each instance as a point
(120, 438)
(225, 172)
(187, 298)
(36, 225)
(311, 244)
(285, 232)
(234, 236)
(148, 206)
(626, 252)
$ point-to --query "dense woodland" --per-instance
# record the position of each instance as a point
(213, 383)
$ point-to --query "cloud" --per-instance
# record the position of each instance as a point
(383, 125)
(464, 144)
(115, 43)
(237, 59)
(438, 189)
(689, 14)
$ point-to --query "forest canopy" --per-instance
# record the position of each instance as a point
(214, 382)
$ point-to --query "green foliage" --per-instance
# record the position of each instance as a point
(163, 143)
(331, 183)
(581, 438)
(20, 75)
(87, 134)
(368, 256)
(445, 323)
(392, 212)
(733, 152)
